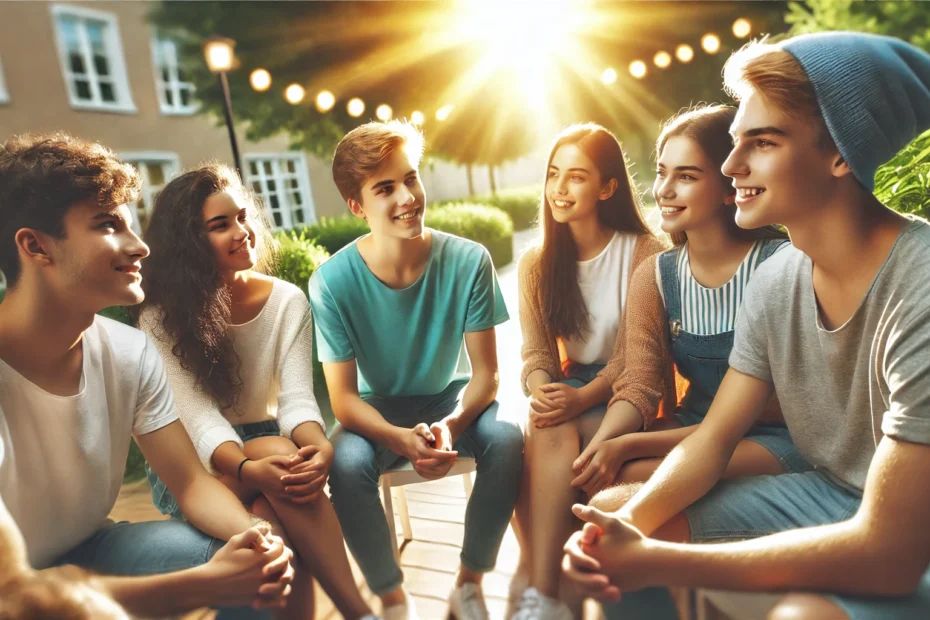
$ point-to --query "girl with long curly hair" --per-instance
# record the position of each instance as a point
(573, 290)
(237, 346)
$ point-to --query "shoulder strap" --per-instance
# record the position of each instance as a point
(671, 290)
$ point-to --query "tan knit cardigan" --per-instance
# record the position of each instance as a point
(643, 379)
(541, 349)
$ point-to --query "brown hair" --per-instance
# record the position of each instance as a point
(43, 176)
(363, 150)
(181, 279)
(709, 127)
(779, 79)
(560, 295)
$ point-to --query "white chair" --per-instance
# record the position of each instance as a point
(403, 474)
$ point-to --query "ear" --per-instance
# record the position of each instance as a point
(840, 168)
(608, 190)
(32, 246)
(355, 207)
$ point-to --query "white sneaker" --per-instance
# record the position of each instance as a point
(467, 603)
(537, 606)
(402, 611)
(518, 585)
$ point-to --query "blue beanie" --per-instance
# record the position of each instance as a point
(873, 92)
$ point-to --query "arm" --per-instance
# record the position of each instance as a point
(481, 390)
(297, 405)
(205, 501)
(539, 350)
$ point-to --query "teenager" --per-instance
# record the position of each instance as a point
(573, 291)
(683, 309)
(75, 387)
(237, 348)
(838, 326)
(392, 311)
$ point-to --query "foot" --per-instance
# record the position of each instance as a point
(467, 603)
(518, 585)
(402, 611)
(537, 606)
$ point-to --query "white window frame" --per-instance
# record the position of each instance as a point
(146, 157)
(174, 85)
(303, 181)
(4, 93)
(115, 56)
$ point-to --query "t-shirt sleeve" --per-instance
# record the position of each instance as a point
(155, 404)
(332, 339)
(750, 347)
(486, 306)
(906, 370)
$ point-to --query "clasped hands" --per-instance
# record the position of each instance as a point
(299, 478)
(429, 449)
(553, 404)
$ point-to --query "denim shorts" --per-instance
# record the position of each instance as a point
(776, 439)
(752, 507)
(162, 497)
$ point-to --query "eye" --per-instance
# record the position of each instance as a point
(219, 226)
(764, 143)
(411, 181)
(660, 173)
(108, 225)
(243, 216)
(386, 190)
(687, 177)
(552, 174)
(577, 179)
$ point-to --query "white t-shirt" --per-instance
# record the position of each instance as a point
(275, 352)
(62, 457)
(604, 281)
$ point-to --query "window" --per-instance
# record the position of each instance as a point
(156, 170)
(175, 92)
(92, 59)
(4, 96)
(282, 183)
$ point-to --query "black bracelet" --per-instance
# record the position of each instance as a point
(239, 472)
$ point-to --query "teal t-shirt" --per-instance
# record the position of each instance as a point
(406, 342)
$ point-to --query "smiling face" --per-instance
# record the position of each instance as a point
(229, 231)
(779, 168)
(574, 187)
(96, 263)
(689, 189)
(392, 199)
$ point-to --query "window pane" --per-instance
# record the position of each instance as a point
(165, 76)
(169, 97)
(156, 174)
(257, 187)
(290, 165)
(292, 183)
(275, 204)
(76, 63)
(185, 97)
(101, 65)
(272, 185)
(267, 166)
(83, 89)
(106, 92)
(297, 199)
(253, 168)
(299, 216)
(95, 35)
(277, 219)
(67, 26)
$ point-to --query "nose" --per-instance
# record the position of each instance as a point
(561, 186)
(137, 249)
(663, 187)
(735, 164)
(406, 196)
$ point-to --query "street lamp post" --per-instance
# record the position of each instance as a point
(220, 57)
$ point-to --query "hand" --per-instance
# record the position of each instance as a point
(307, 472)
(607, 556)
(541, 403)
(64, 592)
(253, 568)
(430, 450)
(565, 399)
(599, 464)
(266, 475)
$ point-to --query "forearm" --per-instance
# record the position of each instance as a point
(355, 415)
(478, 394)
(309, 434)
(536, 379)
(160, 595)
(657, 443)
(837, 558)
(594, 393)
(213, 508)
(621, 418)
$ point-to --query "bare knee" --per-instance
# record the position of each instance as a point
(545, 440)
(806, 607)
(261, 447)
(261, 507)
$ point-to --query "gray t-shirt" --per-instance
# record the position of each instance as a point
(842, 390)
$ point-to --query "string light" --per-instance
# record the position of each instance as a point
(260, 80)
(444, 112)
(638, 69)
(325, 101)
(662, 59)
(294, 93)
(417, 117)
(741, 28)
(684, 52)
(710, 43)
(384, 112)
(609, 76)
(355, 107)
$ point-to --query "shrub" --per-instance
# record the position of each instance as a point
(484, 224)
(298, 258)
(521, 204)
(334, 233)
(904, 182)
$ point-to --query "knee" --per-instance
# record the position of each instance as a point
(506, 440)
(269, 446)
(806, 607)
(353, 465)
(552, 438)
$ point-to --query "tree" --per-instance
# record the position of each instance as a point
(905, 19)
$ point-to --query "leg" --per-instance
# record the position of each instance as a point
(353, 480)
(316, 535)
(497, 446)
(806, 607)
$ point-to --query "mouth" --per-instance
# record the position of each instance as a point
(670, 210)
(243, 248)
(131, 269)
(409, 215)
(562, 204)
(745, 194)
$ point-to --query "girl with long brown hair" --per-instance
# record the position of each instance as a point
(573, 290)
(686, 302)
(237, 347)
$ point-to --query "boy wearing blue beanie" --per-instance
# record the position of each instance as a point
(839, 327)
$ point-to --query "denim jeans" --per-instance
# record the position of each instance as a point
(151, 548)
(494, 442)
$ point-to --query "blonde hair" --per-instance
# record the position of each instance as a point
(363, 150)
(773, 73)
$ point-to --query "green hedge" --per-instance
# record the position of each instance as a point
(904, 182)
(334, 233)
(521, 204)
(484, 224)
(298, 258)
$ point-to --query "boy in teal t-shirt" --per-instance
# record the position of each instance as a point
(392, 311)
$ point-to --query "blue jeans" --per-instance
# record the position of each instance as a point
(151, 548)
(753, 507)
(494, 442)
